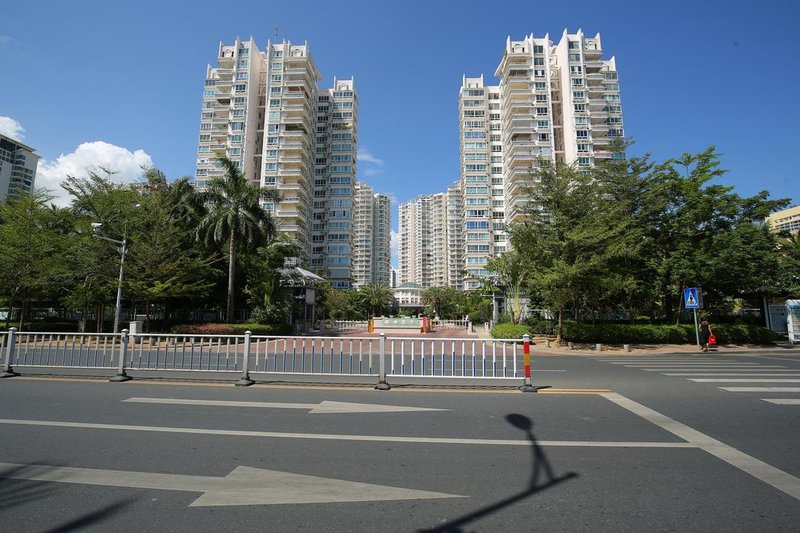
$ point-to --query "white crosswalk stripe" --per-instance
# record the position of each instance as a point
(761, 389)
(767, 373)
(749, 380)
(709, 370)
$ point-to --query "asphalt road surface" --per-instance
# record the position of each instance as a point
(671, 442)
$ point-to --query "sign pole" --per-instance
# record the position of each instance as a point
(696, 328)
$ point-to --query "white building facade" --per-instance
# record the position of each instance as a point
(18, 163)
(265, 111)
(431, 239)
(372, 241)
(557, 101)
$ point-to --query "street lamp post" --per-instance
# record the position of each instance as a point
(123, 247)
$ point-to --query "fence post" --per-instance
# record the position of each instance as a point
(382, 383)
(123, 354)
(527, 386)
(8, 371)
(245, 380)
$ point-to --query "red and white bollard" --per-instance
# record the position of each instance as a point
(527, 386)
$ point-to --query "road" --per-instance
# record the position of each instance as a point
(623, 443)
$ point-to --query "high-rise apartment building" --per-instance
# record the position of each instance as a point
(554, 101)
(455, 235)
(483, 211)
(335, 157)
(372, 241)
(560, 102)
(265, 111)
(429, 226)
(18, 164)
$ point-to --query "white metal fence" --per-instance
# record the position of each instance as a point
(453, 324)
(266, 357)
(350, 325)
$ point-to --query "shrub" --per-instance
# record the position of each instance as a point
(510, 331)
(610, 333)
(232, 329)
(540, 326)
(271, 314)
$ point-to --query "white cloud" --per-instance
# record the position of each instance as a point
(5, 39)
(395, 247)
(91, 157)
(10, 127)
(365, 157)
(370, 172)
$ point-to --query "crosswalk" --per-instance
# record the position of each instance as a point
(726, 374)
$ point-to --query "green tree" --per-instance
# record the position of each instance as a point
(234, 216)
(376, 296)
(445, 302)
(510, 270)
(32, 244)
(789, 280)
(567, 238)
(706, 235)
(166, 264)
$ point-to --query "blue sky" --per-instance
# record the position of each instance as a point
(89, 80)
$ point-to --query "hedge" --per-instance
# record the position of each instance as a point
(510, 331)
(664, 334)
(232, 329)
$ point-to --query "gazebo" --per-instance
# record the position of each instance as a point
(301, 286)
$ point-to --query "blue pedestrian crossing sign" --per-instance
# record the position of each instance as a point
(691, 298)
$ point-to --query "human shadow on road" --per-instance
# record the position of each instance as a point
(541, 466)
(93, 518)
(16, 489)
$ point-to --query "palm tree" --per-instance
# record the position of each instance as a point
(435, 297)
(234, 214)
(376, 296)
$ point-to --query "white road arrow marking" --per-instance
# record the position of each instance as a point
(243, 486)
(325, 407)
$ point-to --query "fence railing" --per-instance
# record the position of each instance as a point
(452, 324)
(350, 325)
(267, 356)
(61, 350)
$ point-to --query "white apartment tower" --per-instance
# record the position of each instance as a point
(18, 164)
(424, 241)
(372, 242)
(555, 101)
(482, 125)
(455, 235)
(335, 157)
(560, 102)
(232, 115)
(265, 111)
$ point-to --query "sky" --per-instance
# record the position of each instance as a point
(119, 84)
